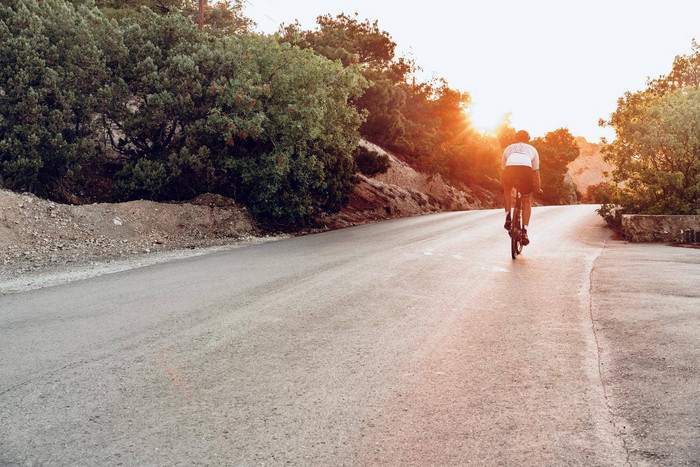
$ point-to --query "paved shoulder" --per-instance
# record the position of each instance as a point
(646, 307)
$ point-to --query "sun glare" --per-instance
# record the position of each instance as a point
(483, 119)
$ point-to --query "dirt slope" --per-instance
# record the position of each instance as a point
(39, 234)
(403, 192)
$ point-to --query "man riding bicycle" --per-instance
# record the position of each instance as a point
(520, 168)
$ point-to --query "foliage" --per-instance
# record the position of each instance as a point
(557, 149)
(505, 133)
(425, 122)
(656, 151)
(371, 162)
(611, 214)
(657, 155)
(351, 41)
(383, 103)
(52, 71)
(223, 16)
(174, 111)
(236, 115)
(363, 43)
(439, 137)
(685, 73)
(601, 193)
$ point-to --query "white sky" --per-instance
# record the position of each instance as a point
(551, 63)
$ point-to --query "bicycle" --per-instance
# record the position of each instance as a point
(516, 227)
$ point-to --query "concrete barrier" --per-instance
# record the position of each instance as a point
(644, 228)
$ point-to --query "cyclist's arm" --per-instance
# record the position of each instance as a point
(536, 180)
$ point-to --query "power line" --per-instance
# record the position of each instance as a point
(264, 11)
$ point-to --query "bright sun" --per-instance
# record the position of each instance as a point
(484, 119)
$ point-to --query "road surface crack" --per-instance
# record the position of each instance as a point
(619, 431)
(39, 377)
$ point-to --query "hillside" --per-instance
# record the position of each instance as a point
(589, 168)
(42, 242)
(402, 192)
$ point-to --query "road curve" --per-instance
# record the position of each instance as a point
(413, 341)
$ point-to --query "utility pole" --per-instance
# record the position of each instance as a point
(201, 14)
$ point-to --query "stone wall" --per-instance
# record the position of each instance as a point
(643, 228)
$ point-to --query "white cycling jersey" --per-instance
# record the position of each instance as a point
(521, 154)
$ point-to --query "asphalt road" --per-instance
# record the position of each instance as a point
(415, 341)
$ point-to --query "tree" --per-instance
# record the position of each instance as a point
(505, 133)
(351, 41)
(221, 17)
(426, 122)
(173, 111)
(685, 72)
(243, 116)
(656, 152)
(52, 72)
(557, 149)
(362, 43)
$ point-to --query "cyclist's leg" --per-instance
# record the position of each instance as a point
(527, 209)
(508, 197)
(525, 186)
(508, 183)
(508, 204)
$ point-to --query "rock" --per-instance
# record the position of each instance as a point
(569, 190)
(644, 228)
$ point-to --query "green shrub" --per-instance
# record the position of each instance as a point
(52, 70)
(370, 162)
(601, 193)
(612, 214)
(173, 111)
(240, 115)
(656, 152)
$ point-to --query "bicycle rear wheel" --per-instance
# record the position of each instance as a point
(515, 246)
(516, 229)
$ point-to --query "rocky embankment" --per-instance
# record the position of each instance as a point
(403, 192)
(43, 243)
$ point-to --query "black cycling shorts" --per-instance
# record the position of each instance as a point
(519, 176)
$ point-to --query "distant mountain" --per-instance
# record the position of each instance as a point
(589, 168)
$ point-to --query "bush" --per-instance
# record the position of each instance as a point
(240, 115)
(656, 152)
(370, 162)
(612, 214)
(601, 193)
(175, 111)
(52, 70)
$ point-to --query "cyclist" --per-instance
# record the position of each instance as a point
(520, 168)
